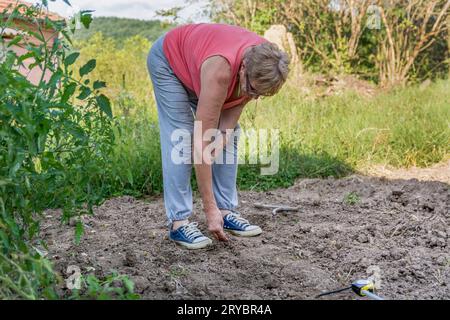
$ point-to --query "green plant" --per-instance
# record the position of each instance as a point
(177, 271)
(55, 139)
(352, 198)
(114, 286)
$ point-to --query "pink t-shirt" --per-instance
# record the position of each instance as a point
(187, 47)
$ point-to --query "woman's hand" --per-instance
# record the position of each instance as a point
(215, 223)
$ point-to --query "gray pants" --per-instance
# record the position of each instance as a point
(176, 110)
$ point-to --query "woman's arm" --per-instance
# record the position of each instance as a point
(215, 79)
(230, 117)
(228, 121)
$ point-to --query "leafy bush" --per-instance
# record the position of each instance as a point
(122, 67)
(113, 286)
(55, 140)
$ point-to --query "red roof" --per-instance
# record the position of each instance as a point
(4, 4)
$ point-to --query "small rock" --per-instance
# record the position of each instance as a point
(441, 234)
(396, 254)
(428, 207)
(140, 284)
(365, 262)
(416, 267)
(441, 242)
(442, 260)
(272, 284)
(130, 259)
(363, 238)
(320, 248)
(418, 274)
(425, 84)
(304, 229)
(436, 242)
(169, 286)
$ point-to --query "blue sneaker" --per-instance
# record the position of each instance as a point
(235, 224)
(189, 236)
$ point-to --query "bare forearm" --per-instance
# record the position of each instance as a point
(204, 181)
(229, 118)
(202, 165)
(228, 121)
(207, 122)
(215, 78)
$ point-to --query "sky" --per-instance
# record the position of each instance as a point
(137, 9)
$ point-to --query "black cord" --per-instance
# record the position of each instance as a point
(333, 292)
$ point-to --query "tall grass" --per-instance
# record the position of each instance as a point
(318, 138)
(402, 128)
(136, 160)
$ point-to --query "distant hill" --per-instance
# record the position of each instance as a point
(122, 28)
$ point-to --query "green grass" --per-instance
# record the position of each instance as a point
(402, 128)
(322, 137)
(318, 137)
(352, 198)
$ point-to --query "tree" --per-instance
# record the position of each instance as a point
(410, 27)
(384, 40)
(329, 29)
(327, 32)
(256, 15)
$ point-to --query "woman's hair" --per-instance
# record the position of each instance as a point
(267, 67)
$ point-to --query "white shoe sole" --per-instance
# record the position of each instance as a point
(193, 246)
(250, 233)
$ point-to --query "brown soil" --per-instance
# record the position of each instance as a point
(437, 172)
(401, 227)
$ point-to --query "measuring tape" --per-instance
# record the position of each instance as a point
(362, 287)
(365, 288)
